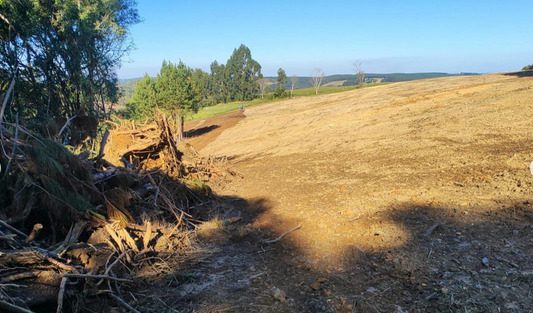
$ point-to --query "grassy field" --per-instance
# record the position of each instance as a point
(222, 108)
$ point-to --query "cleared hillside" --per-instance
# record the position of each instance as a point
(418, 193)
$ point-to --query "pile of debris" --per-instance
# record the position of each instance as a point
(77, 232)
(158, 146)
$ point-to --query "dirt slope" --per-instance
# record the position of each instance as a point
(414, 195)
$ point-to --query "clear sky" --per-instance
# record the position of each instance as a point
(300, 35)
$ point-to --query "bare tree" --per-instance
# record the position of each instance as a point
(359, 73)
(318, 76)
(263, 85)
(294, 80)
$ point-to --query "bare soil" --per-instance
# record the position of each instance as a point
(202, 132)
(412, 197)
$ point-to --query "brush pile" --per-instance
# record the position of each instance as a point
(77, 232)
(158, 146)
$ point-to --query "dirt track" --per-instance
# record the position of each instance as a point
(412, 197)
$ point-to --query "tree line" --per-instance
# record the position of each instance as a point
(181, 89)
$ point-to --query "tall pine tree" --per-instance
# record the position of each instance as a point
(242, 75)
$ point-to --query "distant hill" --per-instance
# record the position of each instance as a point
(127, 86)
(349, 79)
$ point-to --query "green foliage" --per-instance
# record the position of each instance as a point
(528, 68)
(218, 86)
(202, 84)
(241, 74)
(143, 100)
(176, 89)
(280, 83)
(64, 54)
(222, 108)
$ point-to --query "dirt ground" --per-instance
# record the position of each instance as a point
(411, 197)
(202, 132)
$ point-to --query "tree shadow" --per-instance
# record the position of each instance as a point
(454, 260)
(520, 74)
(444, 259)
(200, 131)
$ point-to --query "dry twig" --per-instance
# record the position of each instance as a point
(10, 307)
(283, 235)
(74, 275)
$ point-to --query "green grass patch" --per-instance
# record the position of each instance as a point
(221, 108)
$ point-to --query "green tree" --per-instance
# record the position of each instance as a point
(528, 68)
(143, 100)
(63, 54)
(176, 92)
(242, 75)
(218, 87)
(280, 84)
(202, 85)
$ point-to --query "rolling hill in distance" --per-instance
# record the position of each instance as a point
(127, 86)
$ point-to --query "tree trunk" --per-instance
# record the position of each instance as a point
(182, 127)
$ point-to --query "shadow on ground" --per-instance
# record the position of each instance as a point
(521, 74)
(453, 261)
(200, 131)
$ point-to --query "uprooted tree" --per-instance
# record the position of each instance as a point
(77, 232)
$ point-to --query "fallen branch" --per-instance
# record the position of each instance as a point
(430, 230)
(10, 307)
(73, 275)
(102, 145)
(65, 126)
(13, 229)
(123, 303)
(61, 294)
(283, 235)
(6, 98)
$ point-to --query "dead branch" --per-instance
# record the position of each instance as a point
(123, 303)
(431, 229)
(90, 276)
(65, 126)
(6, 98)
(283, 235)
(10, 307)
(34, 232)
(102, 144)
(61, 294)
(13, 229)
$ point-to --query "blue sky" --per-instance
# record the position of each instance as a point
(385, 36)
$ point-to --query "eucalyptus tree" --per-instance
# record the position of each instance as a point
(280, 83)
